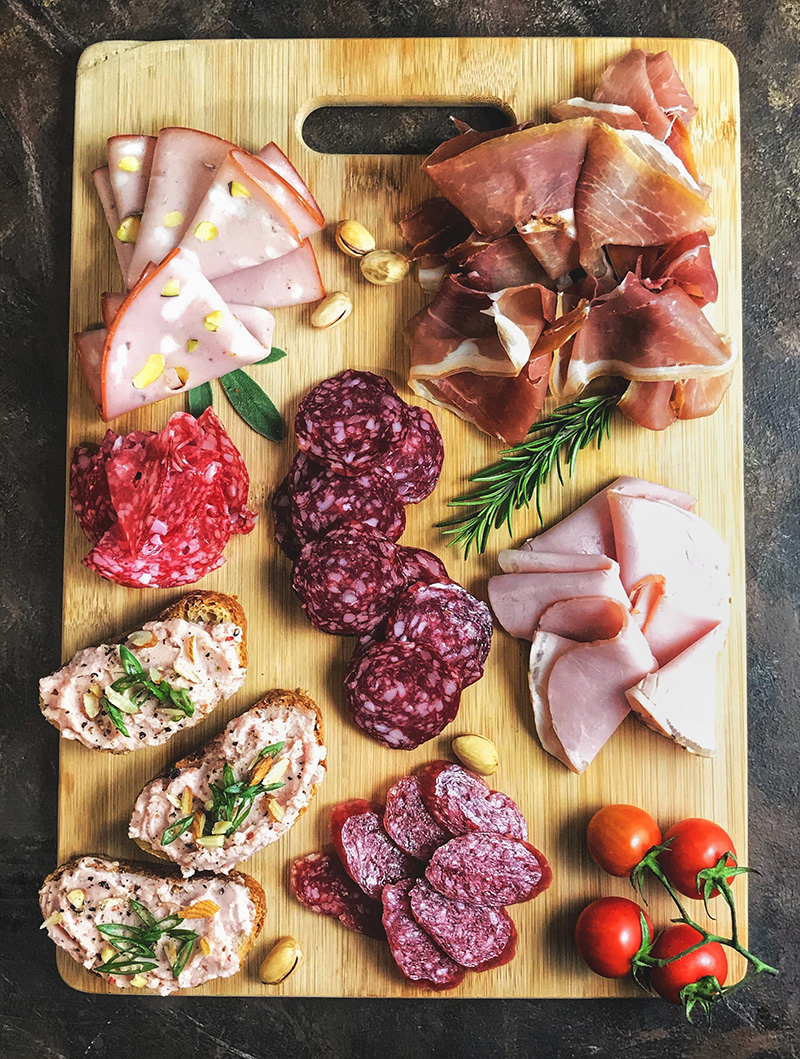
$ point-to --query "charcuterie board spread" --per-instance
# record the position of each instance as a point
(347, 737)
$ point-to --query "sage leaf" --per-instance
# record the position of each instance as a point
(274, 356)
(253, 405)
(200, 398)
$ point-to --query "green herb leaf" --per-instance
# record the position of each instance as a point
(115, 716)
(179, 697)
(118, 930)
(130, 663)
(175, 830)
(253, 405)
(200, 398)
(122, 963)
(184, 955)
(267, 751)
(274, 356)
(143, 913)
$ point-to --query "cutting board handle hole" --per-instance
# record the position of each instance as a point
(417, 128)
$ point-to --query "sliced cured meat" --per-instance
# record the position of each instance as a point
(475, 936)
(415, 463)
(497, 265)
(669, 90)
(416, 954)
(694, 398)
(173, 332)
(259, 322)
(280, 164)
(184, 164)
(650, 85)
(285, 536)
(89, 346)
(367, 853)
(401, 694)
(105, 193)
(323, 501)
(433, 228)
(649, 404)
(525, 561)
(351, 421)
(347, 581)
(129, 162)
(449, 620)
(88, 490)
(292, 279)
(585, 618)
(688, 264)
(616, 115)
(408, 822)
(487, 869)
(320, 883)
(248, 215)
(111, 304)
(418, 565)
(460, 802)
(553, 239)
(546, 647)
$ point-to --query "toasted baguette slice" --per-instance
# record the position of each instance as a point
(198, 644)
(288, 717)
(88, 891)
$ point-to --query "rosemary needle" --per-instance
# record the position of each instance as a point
(518, 476)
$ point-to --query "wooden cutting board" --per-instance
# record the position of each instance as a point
(252, 91)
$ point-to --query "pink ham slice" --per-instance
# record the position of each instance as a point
(678, 700)
(130, 159)
(248, 215)
(89, 346)
(184, 164)
(274, 157)
(150, 351)
(584, 618)
(684, 557)
(526, 561)
(105, 193)
(111, 303)
(292, 279)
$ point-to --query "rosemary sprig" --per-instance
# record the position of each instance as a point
(136, 946)
(140, 689)
(518, 477)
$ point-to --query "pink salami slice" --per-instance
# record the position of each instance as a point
(475, 936)
(460, 802)
(418, 565)
(367, 853)
(280, 164)
(323, 501)
(485, 869)
(416, 463)
(346, 581)
(247, 216)
(401, 694)
(130, 159)
(451, 621)
(285, 536)
(105, 193)
(351, 421)
(408, 823)
(416, 954)
(293, 279)
(320, 883)
(184, 164)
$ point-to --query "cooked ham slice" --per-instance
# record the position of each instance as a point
(89, 346)
(584, 618)
(130, 159)
(525, 561)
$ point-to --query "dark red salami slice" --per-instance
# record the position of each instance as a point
(460, 802)
(346, 581)
(401, 694)
(88, 491)
(415, 464)
(475, 936)
(484, 869)
(418, 565)
(285, 536)
(320, 883)
(323, 501)
(416, 954)
(447, 618)
(350, 421)
(367, 853)
(408, 823)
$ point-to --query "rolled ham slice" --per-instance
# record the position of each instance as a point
(274, 157)
(130, 159)
(292, 279)
(105, 193)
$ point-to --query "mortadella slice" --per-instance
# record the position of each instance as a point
(130, 159)
(292, 279)
(105, 193)
(111, 302)
(280, 164)
(248, 215)
(89, 346)
(172, 333)
(184, 164)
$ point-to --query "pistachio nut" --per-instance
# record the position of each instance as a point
(385, 267)
(280, 961)
(332, 310)
(128, 231)
(354, 239)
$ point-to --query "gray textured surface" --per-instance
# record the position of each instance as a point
(39, 1017)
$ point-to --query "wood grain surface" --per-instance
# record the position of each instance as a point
(252, 91)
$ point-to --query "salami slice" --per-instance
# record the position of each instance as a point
(408, 823)
(323, 501)
(401, 694)
(88, 491)
(418, 565)
(460, 802)
(320, 883)
(416, 954)
(351, 421)
(367, 853)
(475, 936)
(416, 462)
(451, 621)
(285, 535)
(484, 869)
(346, 581)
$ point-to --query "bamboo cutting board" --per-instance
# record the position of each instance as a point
(253, 91)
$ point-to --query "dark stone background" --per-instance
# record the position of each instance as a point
(40, 41)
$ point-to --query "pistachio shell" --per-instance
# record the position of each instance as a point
(332, 310)
(385, 267)
(280, 961)
(354, 239)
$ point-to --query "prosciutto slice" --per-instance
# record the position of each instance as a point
(613, 114)
(130, 159)
(650, 85)
(433, 228)
(494, 266)
(656, 405)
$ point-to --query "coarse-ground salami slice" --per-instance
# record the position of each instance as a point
(415, 464)
(408, 823)
(285, 536)
(401, 694)
(346, 581)
(323, 501)
(484, 869)
(320, 883)
(367, 853)
(461, 802)
(88, 491)
(351, 421)
(416, 954)
(447, 618)
(475, 936)
(418, 565)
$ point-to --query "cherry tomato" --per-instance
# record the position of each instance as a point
(619, 836)
(669, 980)
(608, 935)
(697, 844)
